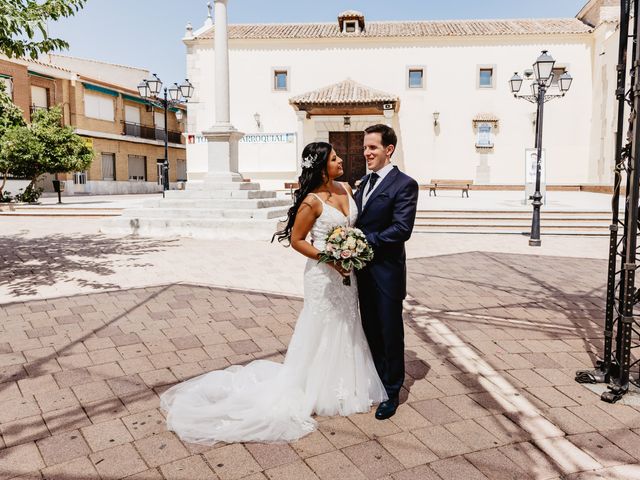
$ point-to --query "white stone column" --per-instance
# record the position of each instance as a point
(222, 137)
(300, 140)
(223, 115)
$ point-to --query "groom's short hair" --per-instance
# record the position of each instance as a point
(387, 134)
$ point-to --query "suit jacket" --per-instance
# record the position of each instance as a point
(387, 221)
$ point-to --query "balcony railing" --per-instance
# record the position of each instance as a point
(150, 133)
(35, 108)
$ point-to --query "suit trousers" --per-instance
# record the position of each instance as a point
(384, 329)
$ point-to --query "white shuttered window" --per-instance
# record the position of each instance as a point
(137, 170)
(39, 97)
(97, 106)
(131, 114)
(108, 166)
(158, 119)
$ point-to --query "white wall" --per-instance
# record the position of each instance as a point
(450, 75)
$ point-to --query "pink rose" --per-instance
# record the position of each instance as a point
(345, 254)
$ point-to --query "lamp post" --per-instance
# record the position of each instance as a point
(149, 89)
(543, 72)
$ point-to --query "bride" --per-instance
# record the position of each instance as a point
(328, 369)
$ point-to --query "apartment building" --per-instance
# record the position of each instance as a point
(100, 101)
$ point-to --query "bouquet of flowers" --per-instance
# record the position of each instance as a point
(347, 247)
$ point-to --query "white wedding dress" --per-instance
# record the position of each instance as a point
(328, 369)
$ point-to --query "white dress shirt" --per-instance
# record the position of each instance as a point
(383, 172)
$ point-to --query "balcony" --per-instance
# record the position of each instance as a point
(150, 133)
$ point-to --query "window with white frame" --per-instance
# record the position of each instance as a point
(485, 135)
(109, 167)
(39, 97)
(99, 107)
(80, 178)
(485, 77)
(8, 84)
(181, 170)
(415, 77)
(280, 79)
(350, 27)
(132, 114)
(158, 119)
(137, 168)
(557, 73)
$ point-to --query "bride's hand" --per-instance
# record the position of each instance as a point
(340, 270)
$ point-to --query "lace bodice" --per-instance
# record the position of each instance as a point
(330, 218)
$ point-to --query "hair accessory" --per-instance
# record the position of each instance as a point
(307, 162)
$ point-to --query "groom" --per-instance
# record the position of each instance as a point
(387, 200)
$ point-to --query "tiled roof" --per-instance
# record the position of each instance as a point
(485, 117)
(345, 92)
(47, 64)
(449, 28)
(351, 13)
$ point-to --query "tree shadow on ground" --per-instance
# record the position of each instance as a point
(29, 263)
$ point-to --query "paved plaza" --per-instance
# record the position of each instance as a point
(95, 327)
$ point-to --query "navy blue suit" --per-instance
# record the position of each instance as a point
(387, 220)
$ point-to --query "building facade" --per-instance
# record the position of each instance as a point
(442, 85)
(100, 101)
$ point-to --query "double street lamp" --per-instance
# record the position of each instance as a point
(172, 96)
(544, 77)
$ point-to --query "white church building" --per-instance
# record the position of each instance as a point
(442, 85)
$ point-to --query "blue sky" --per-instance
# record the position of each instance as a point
(147, 33)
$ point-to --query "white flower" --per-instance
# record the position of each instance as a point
(307, 162)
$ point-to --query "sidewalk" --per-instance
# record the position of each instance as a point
(446, 200)
(493, 340)
(95, 327)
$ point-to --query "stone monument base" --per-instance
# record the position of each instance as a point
(227, 210)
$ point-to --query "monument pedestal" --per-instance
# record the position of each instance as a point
(223, 206)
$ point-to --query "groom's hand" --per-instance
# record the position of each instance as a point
(337, 267)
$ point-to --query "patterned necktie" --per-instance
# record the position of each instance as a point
(372, 181)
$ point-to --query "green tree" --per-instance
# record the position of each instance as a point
(44, 146)
(10, 118)
(23, 25)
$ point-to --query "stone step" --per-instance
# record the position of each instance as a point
(195, 194)
(513, 216)
(479, 222)
(215, 203)
(215, 229)
(512, 229)
(206, 213)
(194, 186)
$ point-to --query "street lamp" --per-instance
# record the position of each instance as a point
(173, 95)
(544, 76)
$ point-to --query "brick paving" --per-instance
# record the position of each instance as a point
(493, 340)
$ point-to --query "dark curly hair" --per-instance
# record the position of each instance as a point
(310, 179)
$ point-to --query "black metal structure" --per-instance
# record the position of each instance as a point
(617, 368)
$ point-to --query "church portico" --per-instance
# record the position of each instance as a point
(339, 113)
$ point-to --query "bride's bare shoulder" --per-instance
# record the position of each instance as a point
(311, 202)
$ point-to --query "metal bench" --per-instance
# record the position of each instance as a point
(464, 185)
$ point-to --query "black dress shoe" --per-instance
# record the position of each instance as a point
(387, 409)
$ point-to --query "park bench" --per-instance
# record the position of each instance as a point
(464, 185)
